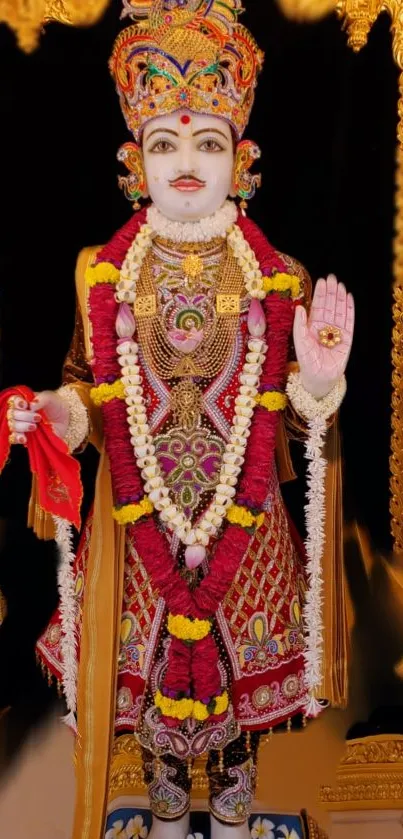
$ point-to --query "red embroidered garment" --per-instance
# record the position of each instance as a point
(259, 622)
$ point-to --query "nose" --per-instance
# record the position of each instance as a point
(188, 163)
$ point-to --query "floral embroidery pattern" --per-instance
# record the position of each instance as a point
(260, 649)
(236, 801)
(191, 464)
(167, 799)
(132, 650)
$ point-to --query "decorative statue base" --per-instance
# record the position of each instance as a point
(191, 615)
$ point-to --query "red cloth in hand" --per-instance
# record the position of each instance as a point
(57, 472)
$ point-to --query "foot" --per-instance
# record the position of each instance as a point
(228, 831)
(170, 830)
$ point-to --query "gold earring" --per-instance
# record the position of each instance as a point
(244, 183)
(134, 185)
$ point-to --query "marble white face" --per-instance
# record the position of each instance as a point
(189, 160)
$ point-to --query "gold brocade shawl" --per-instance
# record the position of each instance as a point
(97, 676)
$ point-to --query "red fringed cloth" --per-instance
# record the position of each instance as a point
(55, 472)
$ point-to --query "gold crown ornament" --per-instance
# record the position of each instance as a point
(185, 54)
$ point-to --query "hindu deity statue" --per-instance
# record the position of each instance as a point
(191, 616)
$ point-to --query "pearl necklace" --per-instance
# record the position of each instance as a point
(198, 537)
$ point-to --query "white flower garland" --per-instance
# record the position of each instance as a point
(212, 227)
(245, 402)
(316, 413)
(67, 608)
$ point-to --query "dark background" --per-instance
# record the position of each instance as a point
(326, 122)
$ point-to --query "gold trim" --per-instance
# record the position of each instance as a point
(314, 831)
(396, 459)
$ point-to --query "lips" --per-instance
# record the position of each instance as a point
(187, 184)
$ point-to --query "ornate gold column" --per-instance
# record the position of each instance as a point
(27, 17)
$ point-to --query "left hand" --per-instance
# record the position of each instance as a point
(321, 367)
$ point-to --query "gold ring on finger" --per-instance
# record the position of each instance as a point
(330, 336)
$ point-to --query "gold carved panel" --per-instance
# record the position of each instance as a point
(370, 776)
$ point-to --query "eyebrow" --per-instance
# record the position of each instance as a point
(162, 131)
(210, 131)
(196, 133)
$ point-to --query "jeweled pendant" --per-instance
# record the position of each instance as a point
(194, 556)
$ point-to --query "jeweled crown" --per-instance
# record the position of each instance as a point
(185, 54)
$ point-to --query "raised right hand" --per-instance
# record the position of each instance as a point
(24, 418)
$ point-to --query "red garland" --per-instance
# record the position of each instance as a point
(192, 670)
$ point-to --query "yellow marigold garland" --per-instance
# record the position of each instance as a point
(105, 393)
(178, 709)
(282, 283)
(131, 513)
(244, 517)
(104, 272)
(183, 709)
(221, 704)
(272, 400)
(188, 630)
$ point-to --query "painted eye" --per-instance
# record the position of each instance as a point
(210, 145)
(162, 147)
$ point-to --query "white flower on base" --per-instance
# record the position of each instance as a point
(136, 828)
(117, 831)
(287, 833)
(262, 829)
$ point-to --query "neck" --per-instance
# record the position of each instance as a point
(216, 226)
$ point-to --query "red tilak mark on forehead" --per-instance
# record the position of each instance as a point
(185, 119)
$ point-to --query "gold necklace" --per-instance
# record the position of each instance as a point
(209, 357)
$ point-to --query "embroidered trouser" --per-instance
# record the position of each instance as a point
(232, 782)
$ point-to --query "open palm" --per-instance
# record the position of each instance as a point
(320, 366)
